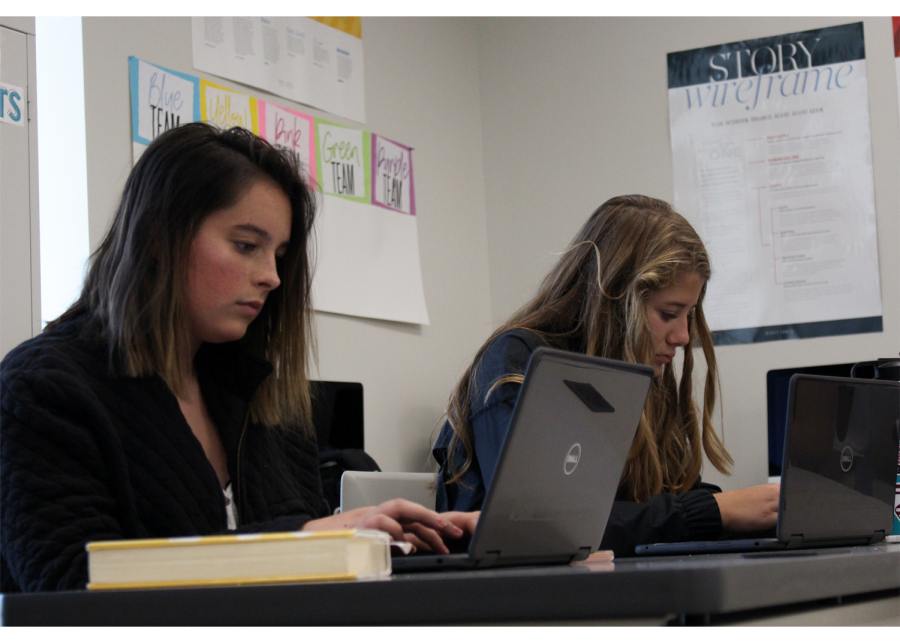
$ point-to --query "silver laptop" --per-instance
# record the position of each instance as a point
(838, 471)
(569, 437)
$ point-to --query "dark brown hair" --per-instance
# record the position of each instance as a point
(594, 301)
(135, 288)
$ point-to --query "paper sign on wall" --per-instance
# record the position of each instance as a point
(771, 150)
(160, 100)
(369, 250)
(12, 104)
(368, 263)
(316, 62)
(343, 160)
(225, 108)
(392, 184)
(289, 130)
(367, 254)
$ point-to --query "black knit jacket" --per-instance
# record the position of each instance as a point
(88, 455)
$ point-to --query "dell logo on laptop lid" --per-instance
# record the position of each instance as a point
(572, 458)
(590, 397)
(846, 459)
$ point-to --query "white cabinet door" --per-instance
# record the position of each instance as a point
(19, 244)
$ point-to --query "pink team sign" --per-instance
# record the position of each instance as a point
(291, 131)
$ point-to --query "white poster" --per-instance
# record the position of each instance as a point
(772, 158)
(299, 58)
(290, 131)
(367, 262)
(343, 160)
(161, 99)
(367, 249)
(227, 108)
(366, 235)
(392, 179)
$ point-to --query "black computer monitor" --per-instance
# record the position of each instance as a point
(777, 381)
(338, 414)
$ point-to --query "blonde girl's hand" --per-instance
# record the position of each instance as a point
(465, 520)
(750, 509)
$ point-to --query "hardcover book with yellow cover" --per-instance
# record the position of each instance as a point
(239, 559)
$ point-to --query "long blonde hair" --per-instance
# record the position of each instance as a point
(594, 302)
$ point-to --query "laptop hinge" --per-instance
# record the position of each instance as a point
(490, 558)
(795, 541)
(877, 537)
(583, 553)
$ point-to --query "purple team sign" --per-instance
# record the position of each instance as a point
(392, 176)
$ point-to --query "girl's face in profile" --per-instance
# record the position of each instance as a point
(231, 266)
(668, 310)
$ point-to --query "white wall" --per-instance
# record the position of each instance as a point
(422, 90)
(575, 111)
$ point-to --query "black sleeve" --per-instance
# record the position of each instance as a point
(667, 517)
(54, 491)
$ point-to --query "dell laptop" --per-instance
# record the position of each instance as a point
(570, 433)
(838, 468)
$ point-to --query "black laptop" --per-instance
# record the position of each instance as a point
(569, 437)
(838, 470)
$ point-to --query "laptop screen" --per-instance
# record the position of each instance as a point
(338, 414)
(777, 381)
(842, 439)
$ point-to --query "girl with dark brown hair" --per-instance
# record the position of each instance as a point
(630, 287)
(172, 398)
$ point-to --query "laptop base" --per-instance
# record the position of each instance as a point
(748, 545)
(451, 562)
(710, 547)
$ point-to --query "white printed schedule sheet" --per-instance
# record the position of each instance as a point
(772, 159)
(318, 62)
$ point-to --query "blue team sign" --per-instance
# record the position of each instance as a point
(12, 105)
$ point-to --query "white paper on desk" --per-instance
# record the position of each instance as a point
(367, 262)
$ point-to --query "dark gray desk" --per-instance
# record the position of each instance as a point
(699, 589)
